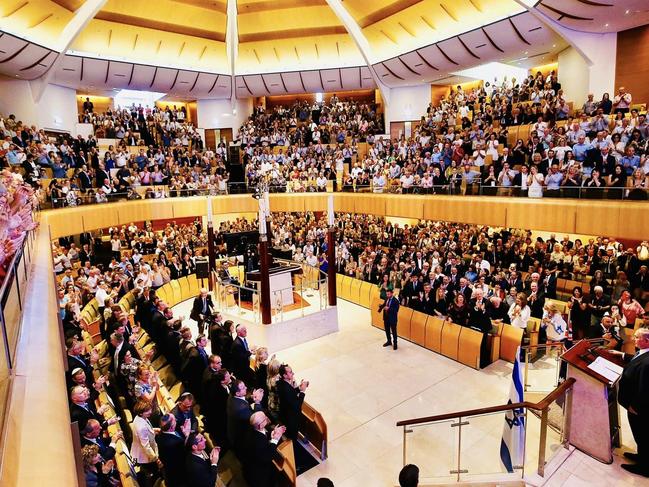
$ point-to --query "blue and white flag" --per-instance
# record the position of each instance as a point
(512, 445)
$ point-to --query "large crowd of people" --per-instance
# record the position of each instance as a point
(227, 403)
(461, 146)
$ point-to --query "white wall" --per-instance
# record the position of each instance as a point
(588, 66)
(57, 109)
(408, 103)
(494, 73)
(217, 114)
(574, 76)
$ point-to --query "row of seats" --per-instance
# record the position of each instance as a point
(449, 339)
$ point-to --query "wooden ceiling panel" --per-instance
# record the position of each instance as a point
(71, 5)
(247, 7)
(386, 12)
(215, 5)
(291, 34)
(213, 35)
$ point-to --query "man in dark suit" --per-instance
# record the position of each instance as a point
(291, 397)
(184, 413)
(200, 468)
(195, 364)
(201, 309)
(82, 410)
(241, 353)
(536, 301)
(464, 288)
(410, 292)
(117, 349)
(85, 183)
(216, 408)
(480, 320)
(549, 283)
(91, 435)
(390, 309)
(239, 412)
(171, 450)
(633, 395)
(258, 468)
(77, 360)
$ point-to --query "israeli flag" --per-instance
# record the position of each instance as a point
(512, 445)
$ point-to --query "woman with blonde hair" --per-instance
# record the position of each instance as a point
(271, 382)
(97, 471)
(144, 449)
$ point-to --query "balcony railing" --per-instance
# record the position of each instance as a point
(12, 301)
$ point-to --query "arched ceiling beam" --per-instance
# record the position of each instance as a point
(79, 21)
(356, 33)
(232, 45)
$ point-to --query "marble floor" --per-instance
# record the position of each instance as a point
(363, 389)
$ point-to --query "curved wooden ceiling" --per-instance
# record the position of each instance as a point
(181, 45)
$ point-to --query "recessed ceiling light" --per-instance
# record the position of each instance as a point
(627, 12)
(554, 45)
(605, 25)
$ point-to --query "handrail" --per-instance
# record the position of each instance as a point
(538, 406)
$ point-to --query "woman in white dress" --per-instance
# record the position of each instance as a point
(535, 183)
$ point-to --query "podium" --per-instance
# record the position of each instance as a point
(594, 423)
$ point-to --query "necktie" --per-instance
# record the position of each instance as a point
(245, 343)
(204, 306)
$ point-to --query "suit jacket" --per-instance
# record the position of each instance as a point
(550, 289)
(144, 448)
(171, 447)
(290, 407)
(84, 180)
(105, 450)
(238, 419)
(199, 471)
(633, 388)
(216, 413)
(258, 466)
(479, 319)
(240, 360)
(197, 307)
(390, 310)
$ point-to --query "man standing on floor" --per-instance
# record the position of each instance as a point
(390, 309)
(633, 395)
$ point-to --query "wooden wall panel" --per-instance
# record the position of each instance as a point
(344, 203)
(100, 216)
(371, 204)
(190, 207)
(611, 218)
(64, 222)
(405, 206)
(549, 214)
(634, 221)
(139, 211)
(288, 202)
(600, 217)
(632, 63)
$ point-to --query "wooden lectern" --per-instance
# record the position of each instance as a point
(594, 419)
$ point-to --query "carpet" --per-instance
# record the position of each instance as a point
(304, 461)
(298, 303)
